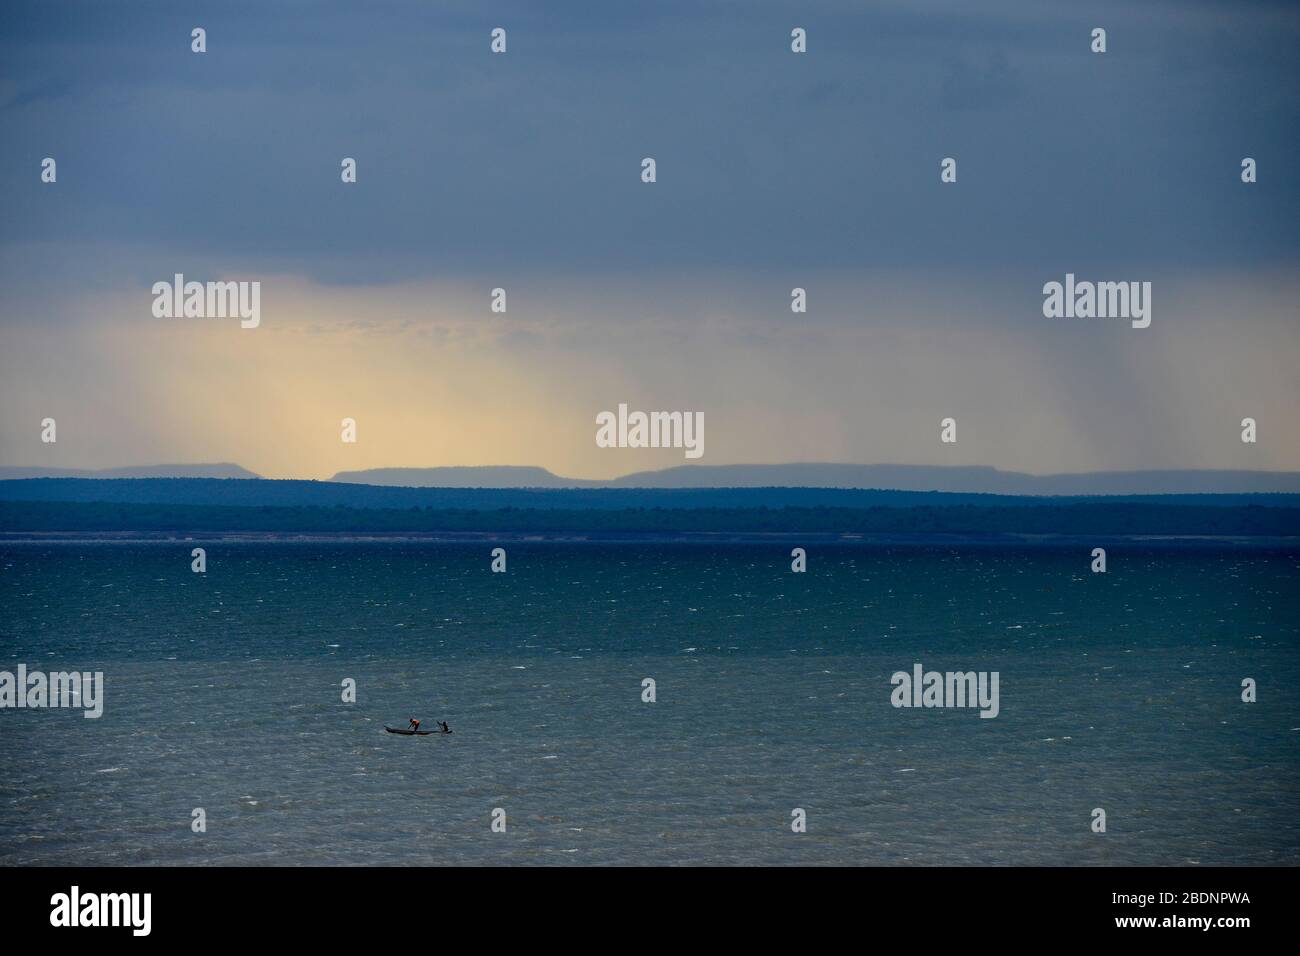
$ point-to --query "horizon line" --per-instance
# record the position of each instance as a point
(95, 471)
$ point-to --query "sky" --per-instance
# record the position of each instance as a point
(775, 170)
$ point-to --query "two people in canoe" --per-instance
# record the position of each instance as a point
(442, 725)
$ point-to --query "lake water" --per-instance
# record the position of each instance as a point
(223, 691)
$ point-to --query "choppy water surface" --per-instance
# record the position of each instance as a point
(1119, 691)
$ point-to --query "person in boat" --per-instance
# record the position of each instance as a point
(445, 728)
(414, 724)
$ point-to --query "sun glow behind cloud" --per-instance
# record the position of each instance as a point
(521, 171)
(432, 377)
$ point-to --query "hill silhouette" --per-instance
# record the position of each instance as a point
(953, 479)
(220, 470)
(961, 479)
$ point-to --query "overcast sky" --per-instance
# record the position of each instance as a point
(775, 170)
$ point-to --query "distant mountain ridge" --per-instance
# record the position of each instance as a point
(474, 476)
(218, 470)
(960, 479)
(949, 479)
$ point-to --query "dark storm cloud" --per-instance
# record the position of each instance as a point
(766, 160)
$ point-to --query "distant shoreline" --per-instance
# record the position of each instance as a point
(1287, 543)
(883, 517)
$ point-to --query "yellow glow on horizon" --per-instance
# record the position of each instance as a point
(433, 378)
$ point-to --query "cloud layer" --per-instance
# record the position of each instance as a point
(775, 170)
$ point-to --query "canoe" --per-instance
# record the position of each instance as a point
(411, 733)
